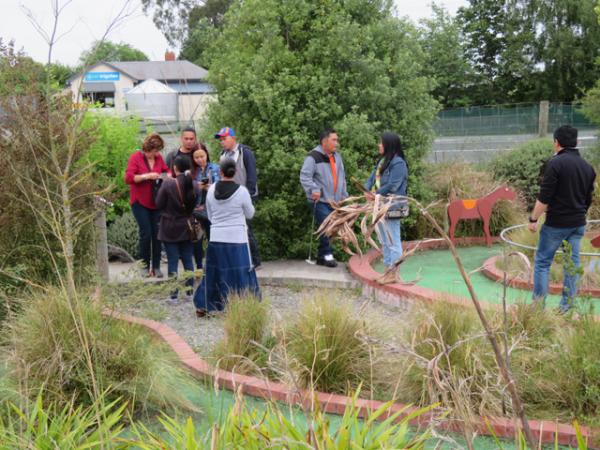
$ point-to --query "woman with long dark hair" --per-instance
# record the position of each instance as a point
(205, 174)
(145, 170)
(390, 178)
(177, 199)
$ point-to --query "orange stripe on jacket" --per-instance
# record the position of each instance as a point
(333, 171)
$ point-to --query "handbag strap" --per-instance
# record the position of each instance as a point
(180, 194)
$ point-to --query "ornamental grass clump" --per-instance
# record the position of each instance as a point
(69, 349)
(330, 347)
(450, 360)
(243, 347)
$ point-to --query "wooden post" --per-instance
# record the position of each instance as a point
(101, 238)
(543, 118)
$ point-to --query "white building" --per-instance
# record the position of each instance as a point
(108, 83)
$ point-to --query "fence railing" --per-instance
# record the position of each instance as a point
(521, 118)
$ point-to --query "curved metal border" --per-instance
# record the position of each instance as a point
(528, 247)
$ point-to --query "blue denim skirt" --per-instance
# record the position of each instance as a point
(227, 271)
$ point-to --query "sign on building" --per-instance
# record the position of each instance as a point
(102, 76)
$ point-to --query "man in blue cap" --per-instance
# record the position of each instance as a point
(245, 175)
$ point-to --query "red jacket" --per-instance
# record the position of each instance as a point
(142, 192)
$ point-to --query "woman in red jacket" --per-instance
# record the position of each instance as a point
(145, 171)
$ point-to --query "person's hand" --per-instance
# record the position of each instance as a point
(315, 196)
(199, 208)
(204, 186)
(532, 226)
(151, 176)
(369, 196)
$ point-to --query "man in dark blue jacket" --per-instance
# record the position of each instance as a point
(245, 175)
(565, 196)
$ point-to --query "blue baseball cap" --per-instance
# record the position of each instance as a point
(225, 131)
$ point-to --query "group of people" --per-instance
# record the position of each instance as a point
(166, 195)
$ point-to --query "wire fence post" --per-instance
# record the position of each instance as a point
(543, 118)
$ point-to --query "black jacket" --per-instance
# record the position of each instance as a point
(173, 217)
(567, 189)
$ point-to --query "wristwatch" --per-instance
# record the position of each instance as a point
(532, 220)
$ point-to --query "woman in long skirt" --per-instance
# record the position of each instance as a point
(228, 268)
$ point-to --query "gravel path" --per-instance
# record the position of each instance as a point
(203, 333)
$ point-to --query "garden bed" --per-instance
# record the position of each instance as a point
(291, 301)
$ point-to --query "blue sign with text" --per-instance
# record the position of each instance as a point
(102, 76)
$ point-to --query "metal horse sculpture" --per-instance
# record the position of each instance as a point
(480, 208)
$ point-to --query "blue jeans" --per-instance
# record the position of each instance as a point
(389, 235)
(180, 250)
(551, 238)
(321, 211)
(147, 220)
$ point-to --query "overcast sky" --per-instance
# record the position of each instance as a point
(84, 21)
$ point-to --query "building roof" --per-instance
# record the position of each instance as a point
(160, 70)
(151, 87)
(192, 87)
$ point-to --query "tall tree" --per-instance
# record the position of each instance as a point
(290, 69)
(530, 50)
(110, 51)
(18, 72)
(447, 62)
(204, 24)
(171, 17)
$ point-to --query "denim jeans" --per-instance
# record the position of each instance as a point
(147, 220)
(389, 236)
(321, 210)
(551, 238)
(180, 250)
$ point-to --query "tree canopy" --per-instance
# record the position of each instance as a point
(294, 68)
(110, 51)
(531, 50)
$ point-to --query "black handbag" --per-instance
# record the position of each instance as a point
(400, 213)
(195, 229)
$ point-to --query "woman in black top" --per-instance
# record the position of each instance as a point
(176, 199)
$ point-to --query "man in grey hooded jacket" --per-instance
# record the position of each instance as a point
(323, 180)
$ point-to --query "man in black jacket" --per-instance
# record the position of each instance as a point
(565, 196)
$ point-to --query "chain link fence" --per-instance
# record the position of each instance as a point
(478, 133)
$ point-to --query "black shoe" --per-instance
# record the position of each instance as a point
(321, 261)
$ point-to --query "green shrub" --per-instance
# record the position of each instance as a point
(52, 344)
(287, 80)
(327, 344)
(115, 139)
(124, 233)
(245, 325)
(521, 167)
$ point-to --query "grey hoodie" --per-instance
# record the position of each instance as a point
(228, 205)
(315, 176)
